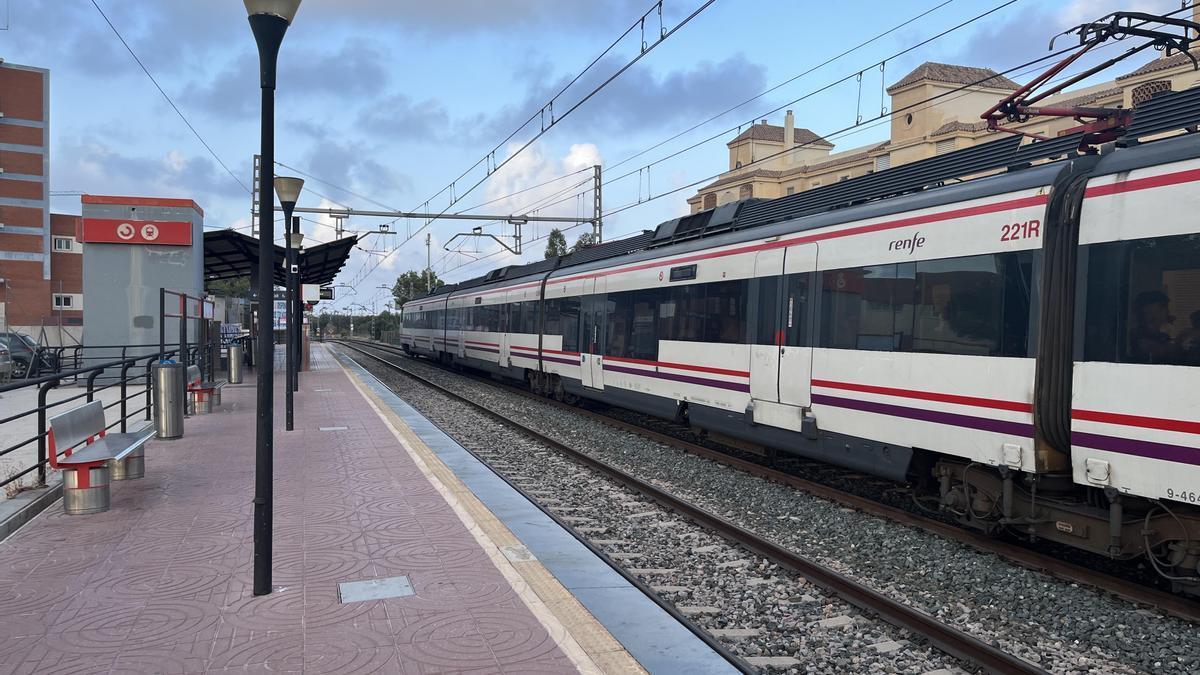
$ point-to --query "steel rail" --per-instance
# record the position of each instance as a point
(1131, 591)
(943, 636)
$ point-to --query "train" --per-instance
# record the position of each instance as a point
(1023, 346)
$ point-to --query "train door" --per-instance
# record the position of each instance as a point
(508, 312)
(460, 334)
(764, 353)
(795, 352)
(591, 337)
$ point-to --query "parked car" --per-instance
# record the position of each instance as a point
(6, 364)
(22, 349)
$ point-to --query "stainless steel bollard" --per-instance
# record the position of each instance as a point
(169, 398)
(130, 467)
(235, 364)
(79, 501)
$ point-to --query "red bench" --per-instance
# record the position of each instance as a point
(87, 469)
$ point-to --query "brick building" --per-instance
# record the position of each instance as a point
(41, 292)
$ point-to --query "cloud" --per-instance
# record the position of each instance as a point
(640, 98)
(99, 168)
(399, 118)
(991, 45)
(475, 15)
(356, 69)
(525, 174)
(350, 164)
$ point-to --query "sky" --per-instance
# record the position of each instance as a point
(383, 103)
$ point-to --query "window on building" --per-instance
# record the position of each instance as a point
(945, 145)
(63, 301)
(1143, 301)
(64, 244)
(883, 162)
(791, 190)
(710, 200)
(745, 191)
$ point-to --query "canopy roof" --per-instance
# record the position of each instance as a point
(229, 254)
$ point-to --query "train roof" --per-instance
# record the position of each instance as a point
(926, 183)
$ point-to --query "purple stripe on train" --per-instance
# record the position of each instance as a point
(923, 415)
(1128, 446)
(702, 381)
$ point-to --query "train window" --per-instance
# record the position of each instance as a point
(529, 317)
(959, 306)
(568, 311)
(725, 318)
(619, 323)
(1143, 301)
(765, 296)
(859, 307)
(689, 313)
(643, 341)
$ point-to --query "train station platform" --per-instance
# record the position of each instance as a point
(394, 552)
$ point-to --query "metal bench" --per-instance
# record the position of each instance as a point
(202, 396)
(86, 470)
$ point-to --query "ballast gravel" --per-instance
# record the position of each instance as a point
(1061, 626)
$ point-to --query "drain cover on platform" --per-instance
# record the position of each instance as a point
(374, 589)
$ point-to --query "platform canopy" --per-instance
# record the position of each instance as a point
(229, 254)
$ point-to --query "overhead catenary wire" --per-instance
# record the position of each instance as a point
(720, 134)
(168, 99)
(457, 196)
(856, 128)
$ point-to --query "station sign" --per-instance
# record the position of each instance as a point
(116, 231)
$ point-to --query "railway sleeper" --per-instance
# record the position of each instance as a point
(1048, 506)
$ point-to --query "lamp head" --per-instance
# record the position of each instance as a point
(288, 189)
(284, 9)
(296, 239)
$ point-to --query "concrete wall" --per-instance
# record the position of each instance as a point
(122, 281)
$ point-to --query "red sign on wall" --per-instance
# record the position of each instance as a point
(159, 232)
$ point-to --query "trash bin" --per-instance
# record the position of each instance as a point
(235, 364)
(168, 399)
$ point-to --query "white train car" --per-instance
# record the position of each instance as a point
(1024, 346)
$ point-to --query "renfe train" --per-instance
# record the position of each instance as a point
(1025, 346)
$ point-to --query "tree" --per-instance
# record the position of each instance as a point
(414, 283)
(238, 287)
(585, 240)
(556, 244)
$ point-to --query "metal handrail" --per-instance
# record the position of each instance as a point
(44, 384)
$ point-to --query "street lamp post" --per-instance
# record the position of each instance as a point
(288, 191)
(269, 20)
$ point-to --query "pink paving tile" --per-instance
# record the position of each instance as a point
(162, 582)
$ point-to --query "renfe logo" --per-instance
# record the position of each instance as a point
(910, 245)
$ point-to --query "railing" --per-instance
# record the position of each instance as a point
(134, 369)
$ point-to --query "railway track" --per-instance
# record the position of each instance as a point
(1168, 603)
(941, 635)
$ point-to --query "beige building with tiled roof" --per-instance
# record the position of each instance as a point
(761, 166)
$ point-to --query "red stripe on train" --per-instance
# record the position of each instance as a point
(976, 401)
(1160, 423)
(1146, 183)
